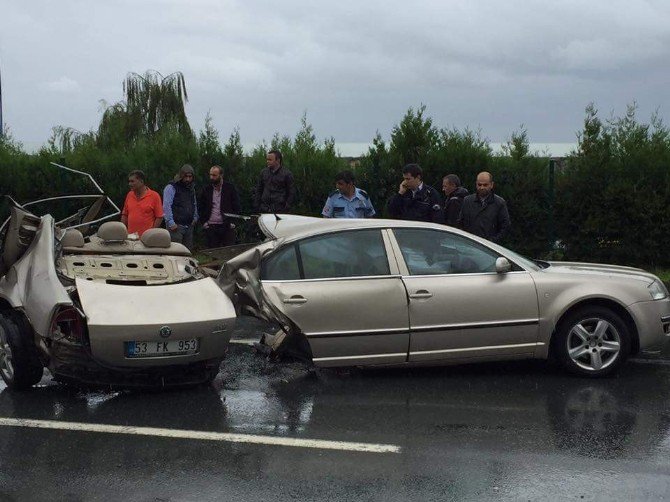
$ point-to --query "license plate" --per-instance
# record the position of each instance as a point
(159, 349)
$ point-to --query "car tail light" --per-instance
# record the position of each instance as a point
(67, 323)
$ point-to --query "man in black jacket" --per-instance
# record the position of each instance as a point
(454, 194)
(484, 213)
(217, 199)
(415, 200)
(275, 189)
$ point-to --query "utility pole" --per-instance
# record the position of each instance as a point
(1, 125)
(550, 223)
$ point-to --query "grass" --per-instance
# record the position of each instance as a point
(663, 274)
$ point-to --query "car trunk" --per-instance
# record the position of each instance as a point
(156, 325)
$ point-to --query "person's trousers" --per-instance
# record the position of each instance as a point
(183, 234)
(217, 236)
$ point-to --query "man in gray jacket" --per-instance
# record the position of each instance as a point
(484, 213)
(275, 189)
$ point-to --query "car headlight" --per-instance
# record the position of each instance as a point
(657, 290)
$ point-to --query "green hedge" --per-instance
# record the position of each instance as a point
(611, 195)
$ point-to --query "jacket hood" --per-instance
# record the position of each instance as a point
(185, 169)
(460, 192)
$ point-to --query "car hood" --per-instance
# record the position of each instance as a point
(600, 270)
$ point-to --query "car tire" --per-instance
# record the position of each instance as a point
(20, 366)
(592, 341)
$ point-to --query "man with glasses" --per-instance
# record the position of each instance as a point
(180, 207)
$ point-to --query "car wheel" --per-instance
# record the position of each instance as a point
(20, 366)
(592, 341)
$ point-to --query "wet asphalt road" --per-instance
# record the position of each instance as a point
(518, 431)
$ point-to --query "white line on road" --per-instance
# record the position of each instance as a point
(661, 362)
(202, 435)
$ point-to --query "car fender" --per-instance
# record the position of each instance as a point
(558, 296)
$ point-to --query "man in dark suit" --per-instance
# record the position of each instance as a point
(217, 199)
(415, 200)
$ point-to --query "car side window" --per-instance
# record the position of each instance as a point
(282, 265)
(344, 254)
(432, 252)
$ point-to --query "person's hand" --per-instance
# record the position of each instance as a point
(403, 188)
(173, 227)
(205, 225)
(232, 226)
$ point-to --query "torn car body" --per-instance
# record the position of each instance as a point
(347, 292)
(106, 308)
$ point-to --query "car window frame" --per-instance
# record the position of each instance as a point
(391, 259)
(404, 269)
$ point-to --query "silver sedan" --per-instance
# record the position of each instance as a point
(389, 292)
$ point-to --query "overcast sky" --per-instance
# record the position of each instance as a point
(353, 66)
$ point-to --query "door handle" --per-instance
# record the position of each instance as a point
(295, 300)
(422, 293)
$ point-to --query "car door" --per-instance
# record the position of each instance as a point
(459, 307)
(344, 294)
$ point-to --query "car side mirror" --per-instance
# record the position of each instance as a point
(503, 265)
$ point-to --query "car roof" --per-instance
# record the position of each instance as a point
(291, 226)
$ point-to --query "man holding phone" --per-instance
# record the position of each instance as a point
(415, 200)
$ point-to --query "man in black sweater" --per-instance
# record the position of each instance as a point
(275, 189)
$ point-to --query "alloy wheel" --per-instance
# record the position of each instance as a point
(593, 344)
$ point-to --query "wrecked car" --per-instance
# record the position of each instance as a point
(95, 305)
(373, 292)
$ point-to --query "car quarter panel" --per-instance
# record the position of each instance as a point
(116, 314)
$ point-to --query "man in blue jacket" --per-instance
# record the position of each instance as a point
(180, 207)
(348, 201)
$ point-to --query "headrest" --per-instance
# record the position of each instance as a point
(72, 238)
(113, 231)
(156, 238)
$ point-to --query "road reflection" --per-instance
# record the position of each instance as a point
(509, 430)
(501, 407)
